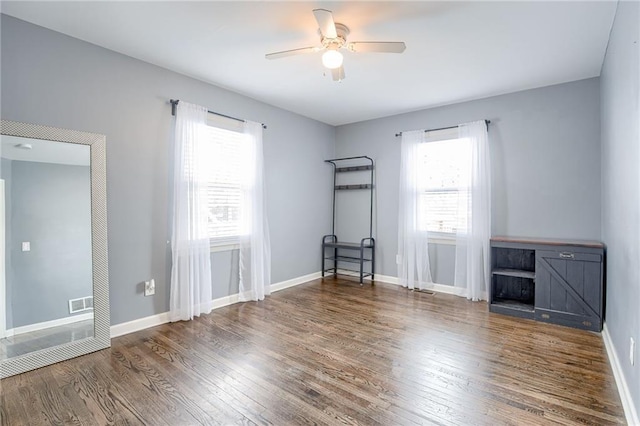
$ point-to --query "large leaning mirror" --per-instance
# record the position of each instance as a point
(54, 291)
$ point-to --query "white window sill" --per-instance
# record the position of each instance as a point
(219, 247)
(449, 240)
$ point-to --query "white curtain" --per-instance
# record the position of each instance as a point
(255, 247)
(413, 250)
(472, 270)
(191, 263)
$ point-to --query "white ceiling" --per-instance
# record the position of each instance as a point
(456, 51)
(44, 151)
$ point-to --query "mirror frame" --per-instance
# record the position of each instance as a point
(102, 335)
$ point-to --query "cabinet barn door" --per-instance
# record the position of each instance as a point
(568, 288)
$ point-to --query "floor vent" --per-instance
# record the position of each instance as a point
(82, 304)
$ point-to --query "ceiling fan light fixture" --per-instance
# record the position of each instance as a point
(332, 59)
(333, 37)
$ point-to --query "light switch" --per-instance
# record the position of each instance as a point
(26, 246)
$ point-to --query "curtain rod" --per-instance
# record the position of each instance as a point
(487, 122)
(174, 104)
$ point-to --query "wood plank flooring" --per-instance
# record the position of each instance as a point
(330, 352)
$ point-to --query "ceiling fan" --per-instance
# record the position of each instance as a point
(333, 37)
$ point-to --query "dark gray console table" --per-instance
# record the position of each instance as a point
(555, 281)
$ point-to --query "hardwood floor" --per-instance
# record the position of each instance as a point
(53, 336)
(331, 352)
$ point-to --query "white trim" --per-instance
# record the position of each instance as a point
(163, 318)
(295, 281)
(220, 302)
(48, 324)
(139, 324)
(215, 248)
(623, 389)
(438, 288)
(3, 302)
(442, 240)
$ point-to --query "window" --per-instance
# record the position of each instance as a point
(225, 151)
(444, 181)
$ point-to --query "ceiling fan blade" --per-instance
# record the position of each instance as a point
(285, 53)
(377, 46)
(325, 23)
(338, 74)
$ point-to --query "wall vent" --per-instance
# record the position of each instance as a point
(82, 304)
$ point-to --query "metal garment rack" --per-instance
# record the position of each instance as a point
(331, 247)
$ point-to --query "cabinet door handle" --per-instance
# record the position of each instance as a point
(566, 255)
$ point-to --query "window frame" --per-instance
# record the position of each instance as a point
(227, 243)
(443, 135)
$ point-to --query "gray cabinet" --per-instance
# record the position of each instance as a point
(554, 281)
(569, 287)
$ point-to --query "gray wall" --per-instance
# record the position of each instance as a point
(52, 79)
(545, 164)
(621, 187)
(5, 173)
(51, 209)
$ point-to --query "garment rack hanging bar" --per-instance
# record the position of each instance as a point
(349, 158)
(487, 122)
(174, 105)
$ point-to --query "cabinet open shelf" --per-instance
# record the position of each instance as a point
(520, 273)
(513, 308)
(514, 304)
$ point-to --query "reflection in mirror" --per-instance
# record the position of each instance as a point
(54, 275)
(46, 284)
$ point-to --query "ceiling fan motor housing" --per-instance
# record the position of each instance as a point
(338, 42)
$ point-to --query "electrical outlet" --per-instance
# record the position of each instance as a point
(632, 350)
(150, 287)
(398, 259)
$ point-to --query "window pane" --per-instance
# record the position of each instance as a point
(440, 212)
(444, 181)
(225, 153)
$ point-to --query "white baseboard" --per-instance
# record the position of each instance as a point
(139, 324)
(48, 324)
(438, 288)
(623, 389)
(163, 318)
(221, 302)
(295, 281)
